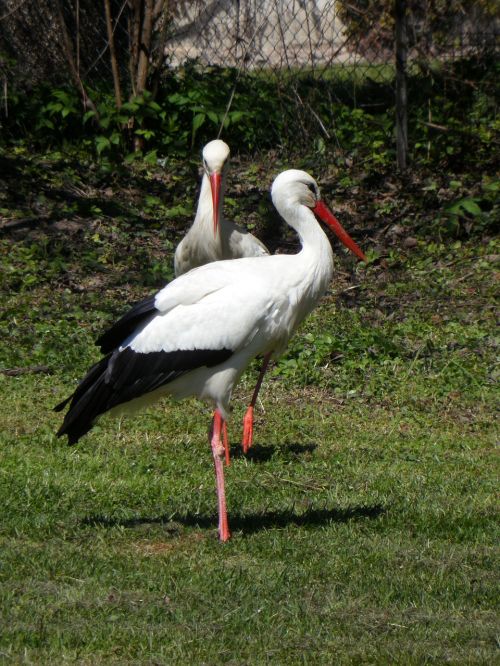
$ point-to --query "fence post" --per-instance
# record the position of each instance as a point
(401, 94)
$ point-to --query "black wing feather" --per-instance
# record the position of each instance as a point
(92, 375)
(126, 325)
(125, 375)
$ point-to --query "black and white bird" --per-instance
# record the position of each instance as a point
(211, 238)
(196, 336)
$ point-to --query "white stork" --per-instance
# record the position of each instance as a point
(212, 238)
(200, 332)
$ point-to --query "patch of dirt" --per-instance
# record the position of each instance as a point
(160, 548)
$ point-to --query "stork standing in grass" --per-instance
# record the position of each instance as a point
(198, 334)
(212, 238)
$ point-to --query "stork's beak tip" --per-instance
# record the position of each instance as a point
(326, 216)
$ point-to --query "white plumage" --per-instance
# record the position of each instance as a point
(199, 333)
(212, 237)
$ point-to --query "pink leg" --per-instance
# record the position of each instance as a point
(248, 418)
(226, 443)
(218, 424)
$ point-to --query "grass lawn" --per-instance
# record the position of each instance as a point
(364, 519)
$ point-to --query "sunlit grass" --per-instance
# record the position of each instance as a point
(364, 519)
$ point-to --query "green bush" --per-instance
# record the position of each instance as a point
(452, 115)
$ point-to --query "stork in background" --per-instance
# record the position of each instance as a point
(212, 238)
(198, 334)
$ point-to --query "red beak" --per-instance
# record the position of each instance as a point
(215, 185)
(328, 218)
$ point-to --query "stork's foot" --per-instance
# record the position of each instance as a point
(247, 440)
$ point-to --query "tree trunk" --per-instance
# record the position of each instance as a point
(145, 46)
(401, 94)
(112, 54)
(141, 32)
(134, 32)
(161, 24)
(67, 47)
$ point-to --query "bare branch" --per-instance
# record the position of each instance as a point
(158, 8)
(5, 97)
(33, 369)
(67, 47)
(89, 69)
(163, 6)
(77, 12)
(12, 11)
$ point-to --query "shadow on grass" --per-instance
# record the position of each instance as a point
(68, 192)
(258, 453)
(248, 523)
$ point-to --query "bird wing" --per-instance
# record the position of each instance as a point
(126, 325)
(246, 244)
(216, 306)
(201, 319)
(142, 312)
(229, 309)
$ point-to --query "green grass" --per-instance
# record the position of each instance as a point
(356, 74)
(364, 519)
(363, 531)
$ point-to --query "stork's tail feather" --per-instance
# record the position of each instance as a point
(124, 375)
(90, 399)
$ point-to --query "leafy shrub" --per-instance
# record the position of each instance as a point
(190, 109)
(453, 112)
(447, 123)
(469, 214)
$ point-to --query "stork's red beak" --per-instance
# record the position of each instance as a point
(328, 218)
(215, 185)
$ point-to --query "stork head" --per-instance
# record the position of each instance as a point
(295, 188)
(215, 156)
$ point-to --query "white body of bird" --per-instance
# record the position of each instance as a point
(199, 333)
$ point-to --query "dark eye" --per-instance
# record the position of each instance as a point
(312, 188)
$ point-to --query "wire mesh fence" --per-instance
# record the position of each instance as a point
(56, 41)
(277, 35)
(253, 34)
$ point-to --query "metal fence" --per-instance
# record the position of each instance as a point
(278, 35)
(313, 34)
(324, 38)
